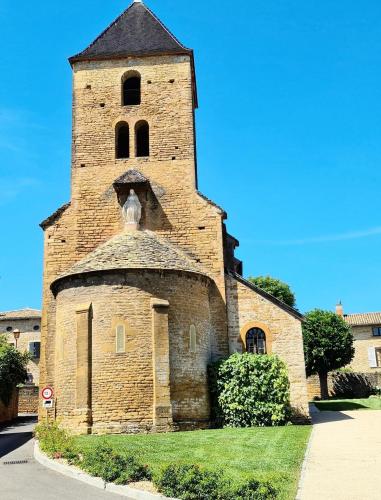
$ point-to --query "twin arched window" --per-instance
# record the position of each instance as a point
(131, 96)
(256, 341)
(122, 139)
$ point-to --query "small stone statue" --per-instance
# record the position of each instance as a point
(132, 211)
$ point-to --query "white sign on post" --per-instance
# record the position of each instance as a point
(47, 403)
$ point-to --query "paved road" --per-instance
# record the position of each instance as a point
(344, 458)
(32, 481)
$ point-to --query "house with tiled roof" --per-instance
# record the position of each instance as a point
(366, 329)
(142, 287)
(22, 328)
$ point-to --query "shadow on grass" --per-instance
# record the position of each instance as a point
(339, 405)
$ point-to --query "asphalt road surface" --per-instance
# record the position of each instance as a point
(26, 479)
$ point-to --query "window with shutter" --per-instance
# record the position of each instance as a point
(372, 357)
(120, 339)
(34, 349)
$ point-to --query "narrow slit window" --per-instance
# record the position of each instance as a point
(142, 139)
(122, 133)
(120, 339)
(131, 91)
(192, 338)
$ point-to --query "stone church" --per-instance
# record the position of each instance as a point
(141, 286)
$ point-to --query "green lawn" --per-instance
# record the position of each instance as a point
(349, 404)
(266, 453)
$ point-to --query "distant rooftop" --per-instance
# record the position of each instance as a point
(359, 319)
(26, 313)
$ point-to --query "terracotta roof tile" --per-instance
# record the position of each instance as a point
(372, 318)
(26, 313)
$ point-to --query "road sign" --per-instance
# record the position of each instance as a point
(47, 393)
(47, 403)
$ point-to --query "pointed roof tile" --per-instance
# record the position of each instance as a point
(137, 31)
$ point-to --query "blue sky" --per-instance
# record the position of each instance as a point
(288, 132)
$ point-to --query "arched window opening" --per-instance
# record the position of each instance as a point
(131, 91)
(122, 140)
(142, 138)
(256, 341)
(120, 339)
(192, 338)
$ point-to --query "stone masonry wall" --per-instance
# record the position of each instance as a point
(246, 309)
(122, 384)
(28, 399)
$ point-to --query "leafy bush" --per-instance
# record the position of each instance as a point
(12, 369)
(190, 482)
(102, 461)
(248, 390)
(351, 385)
(54, 441)
(254, 490)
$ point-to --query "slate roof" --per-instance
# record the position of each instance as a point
(359, 319)
(134, 250)
(55, 215)
(131, 177)
(294, 312)
(137, 31)
(26, 313)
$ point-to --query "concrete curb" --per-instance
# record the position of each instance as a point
(75, 473)
(304, 466)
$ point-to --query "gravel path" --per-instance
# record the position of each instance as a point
(344, 457)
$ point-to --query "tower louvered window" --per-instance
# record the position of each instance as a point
(142, 138)
(122, 133)
(131, 91)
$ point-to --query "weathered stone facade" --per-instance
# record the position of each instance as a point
(28, 323)
(157, 284)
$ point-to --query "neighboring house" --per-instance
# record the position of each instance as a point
(22, 329)
(366, 329)
(141, 285)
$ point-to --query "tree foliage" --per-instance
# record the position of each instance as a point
(275, 287)
(249, 390)
(12, 369)
(328, 344)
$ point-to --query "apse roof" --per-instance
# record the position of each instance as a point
(140, 249)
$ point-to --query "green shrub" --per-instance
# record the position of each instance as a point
(190, 482)
(12, 369)
(248, 390)
(102, 461)
(54, 441)
(254, 490)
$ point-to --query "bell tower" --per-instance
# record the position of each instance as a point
(134, 97)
